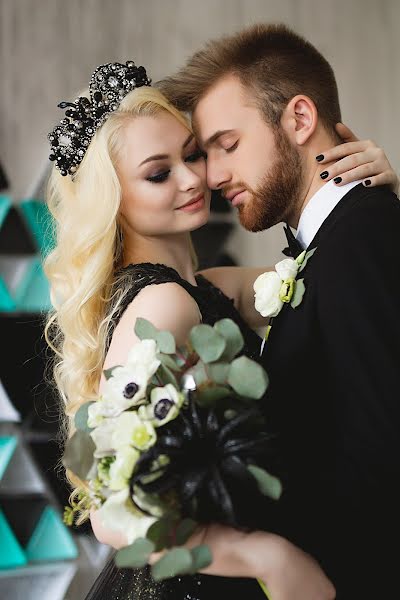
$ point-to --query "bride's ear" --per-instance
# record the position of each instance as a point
(299, 119)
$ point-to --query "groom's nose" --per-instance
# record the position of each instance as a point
(217, 175)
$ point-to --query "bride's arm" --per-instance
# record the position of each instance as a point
(288, 572)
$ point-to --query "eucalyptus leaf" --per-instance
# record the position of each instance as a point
(167, 375)
(207, 342)
(136, 555)
(168, 361)
(81, 417)
(201, 557)
(177, 561)
(108, 372)
(300, 288)
(267, 484)
(184, 530)
(145, 330)
(166, 342)
(161, 533)
(78, 453)
(199, 373)
(233, 337)
(210, 396)
(306, 259)
(219, 372)
(248, 378)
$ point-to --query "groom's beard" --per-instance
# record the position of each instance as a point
(278, 194)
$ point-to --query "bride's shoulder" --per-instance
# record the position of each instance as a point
(168, 306)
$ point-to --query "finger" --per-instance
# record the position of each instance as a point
(346, 133)
(344, 150)
(351, 162)
(386, 178)
(155, 556)
(364, 171)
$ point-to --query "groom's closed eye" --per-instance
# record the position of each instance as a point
(233, 147)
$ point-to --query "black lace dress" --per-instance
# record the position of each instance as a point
(137, 584)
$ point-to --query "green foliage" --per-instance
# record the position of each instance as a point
(136, 555)
(81, 417)
(267, 484)
(298, 293)
(78, 454)
(207, 342)
(108, 372)
(247, 378)
(164, 339)
(233, 338)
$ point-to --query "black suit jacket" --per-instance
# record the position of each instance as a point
(334, 398)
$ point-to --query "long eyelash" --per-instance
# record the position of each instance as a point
(159, 178)
(195, 156)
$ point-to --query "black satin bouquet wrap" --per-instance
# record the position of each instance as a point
(177, 439)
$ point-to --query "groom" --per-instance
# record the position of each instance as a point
(264, 105)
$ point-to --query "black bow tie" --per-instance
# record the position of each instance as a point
(294, 247)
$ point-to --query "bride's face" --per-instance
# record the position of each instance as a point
(163, 177)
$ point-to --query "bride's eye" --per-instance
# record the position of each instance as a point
(159, 178)
(195, 156)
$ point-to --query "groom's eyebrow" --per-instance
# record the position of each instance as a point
(212, 139)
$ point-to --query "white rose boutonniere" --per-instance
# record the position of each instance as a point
(274, 289)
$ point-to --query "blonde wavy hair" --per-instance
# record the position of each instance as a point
(85, 292)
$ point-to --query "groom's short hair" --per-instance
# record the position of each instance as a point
(271, 61)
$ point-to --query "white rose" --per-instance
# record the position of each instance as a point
(120, 515)
(130, 430)
(144, 354)
(266, 288)
(164, 405)
(287, 268)
(122, 468)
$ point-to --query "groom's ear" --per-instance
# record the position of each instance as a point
(299, 119)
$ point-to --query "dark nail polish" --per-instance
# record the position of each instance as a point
(337, 180)
(319, 157)
(324, 174)
(367, 182)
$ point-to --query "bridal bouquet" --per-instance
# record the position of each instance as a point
(175, 440)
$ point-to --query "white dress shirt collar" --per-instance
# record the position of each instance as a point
(319, 208)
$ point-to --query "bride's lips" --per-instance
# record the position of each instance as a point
(193, 205)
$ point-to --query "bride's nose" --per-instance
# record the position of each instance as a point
(188, 179)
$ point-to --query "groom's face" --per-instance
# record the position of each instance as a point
(254, 165)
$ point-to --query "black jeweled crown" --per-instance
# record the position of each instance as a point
(108, 85)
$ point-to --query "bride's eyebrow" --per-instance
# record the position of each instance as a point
(164, 156)
(189, 139)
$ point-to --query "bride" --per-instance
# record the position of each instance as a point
(128, 187)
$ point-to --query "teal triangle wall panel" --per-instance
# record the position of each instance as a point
(22, 476)
(33, 293)
(11, 553)
(40, 223)
(8, 443)
(51, 540)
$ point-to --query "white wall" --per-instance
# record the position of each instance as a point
(48, 48)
